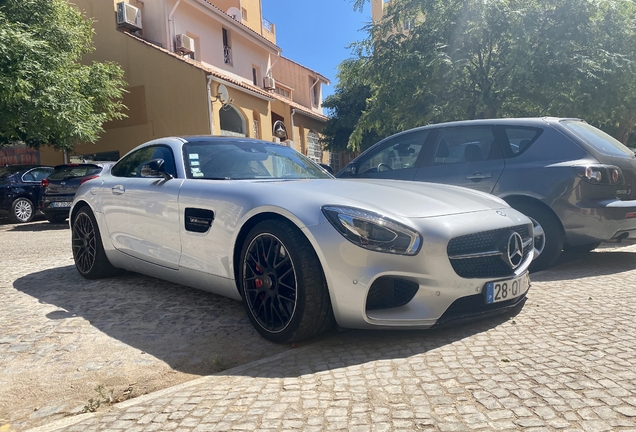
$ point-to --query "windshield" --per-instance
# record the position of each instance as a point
(66, 172)
(242, 160)
(598, 139)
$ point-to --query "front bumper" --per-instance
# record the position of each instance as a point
(351, 271)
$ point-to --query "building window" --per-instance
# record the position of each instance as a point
(314, 148)
(255, 74)
(244, 14)
(255, 128)
(315, 91)
(283, 91)
(232, 122)
(227, 50)
(334, 161)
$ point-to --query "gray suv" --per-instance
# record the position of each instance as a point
(575, 182)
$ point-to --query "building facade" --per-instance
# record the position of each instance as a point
(200, 67)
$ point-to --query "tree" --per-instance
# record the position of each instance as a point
(346, 106)
(467, 59)
(46, 96)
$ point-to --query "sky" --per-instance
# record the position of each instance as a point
(315, 33)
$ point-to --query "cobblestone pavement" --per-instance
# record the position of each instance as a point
(567, 361)
(62, 337)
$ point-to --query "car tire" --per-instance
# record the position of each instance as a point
(282, 283)
(55, 219)
(22, 210)
(88, 251)
(549, 228)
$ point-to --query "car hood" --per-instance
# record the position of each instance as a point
(402, 198)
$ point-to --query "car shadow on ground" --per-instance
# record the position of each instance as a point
(583, 265)
(198, 332)
(39, 226)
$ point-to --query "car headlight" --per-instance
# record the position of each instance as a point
(373, 231)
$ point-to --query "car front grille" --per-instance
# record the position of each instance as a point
(389, 292)
(479, 255)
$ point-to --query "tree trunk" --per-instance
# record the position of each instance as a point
(625, 128)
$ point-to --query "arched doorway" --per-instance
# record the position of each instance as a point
(314, 148)
(232, 121)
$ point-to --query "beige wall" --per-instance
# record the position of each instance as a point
(299, 78)
(254, 20)
(168, 96)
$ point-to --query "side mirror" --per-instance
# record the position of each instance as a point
(327, 168)
(155, 169)
(351, 170)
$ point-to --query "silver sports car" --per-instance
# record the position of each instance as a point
(261, 223)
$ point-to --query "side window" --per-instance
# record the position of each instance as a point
(131, 165)
(466, 144)
(397, 153)
(519, 139)
(28, 177)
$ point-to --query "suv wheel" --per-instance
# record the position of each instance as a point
(548, 235)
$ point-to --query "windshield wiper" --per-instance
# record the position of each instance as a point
(213, 178)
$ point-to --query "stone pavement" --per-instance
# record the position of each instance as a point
(62, 337)
(566, 362)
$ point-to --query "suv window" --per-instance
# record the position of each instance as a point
(466, 144)
(130, 166)
(598, 139)
(519, 139)
(398, 153)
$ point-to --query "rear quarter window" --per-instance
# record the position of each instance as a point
(597, 139)
(75, 171)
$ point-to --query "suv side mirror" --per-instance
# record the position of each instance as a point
(350, 170)
(155, 169)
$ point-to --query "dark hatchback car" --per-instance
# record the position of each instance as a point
(58, 190)
(576, 183)
(20, 190)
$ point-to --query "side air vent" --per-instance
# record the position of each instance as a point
(389, 292)
(198, 220)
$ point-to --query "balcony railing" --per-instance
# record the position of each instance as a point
(227, 55)
(267, 25)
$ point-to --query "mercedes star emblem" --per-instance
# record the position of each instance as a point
(514, 250)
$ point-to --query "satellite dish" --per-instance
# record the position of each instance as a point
(235, 13)
(223, 95)
(279, 129)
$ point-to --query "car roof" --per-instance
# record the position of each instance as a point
(98, 163)
(225, 139)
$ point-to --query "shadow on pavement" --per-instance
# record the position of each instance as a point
(193, 331)
(577, 266)
(38, 226)
(201, 333)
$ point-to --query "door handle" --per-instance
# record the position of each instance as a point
(479, 176)
(118, 190)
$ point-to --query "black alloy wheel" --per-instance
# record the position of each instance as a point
(269, 281)
(88, 252)
(282, 283)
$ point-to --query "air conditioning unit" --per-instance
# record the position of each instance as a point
(269, 83)
(185, 44)
(128, 16)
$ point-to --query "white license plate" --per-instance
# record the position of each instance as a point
(61, 204)
(507, 289)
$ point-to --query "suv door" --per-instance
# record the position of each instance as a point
(468, 156)
(395, 158)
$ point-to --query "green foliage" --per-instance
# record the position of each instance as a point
(46, 96)
(467, 59)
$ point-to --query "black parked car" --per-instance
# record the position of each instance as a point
(58, 190)
(576, 183)
(20, 190)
